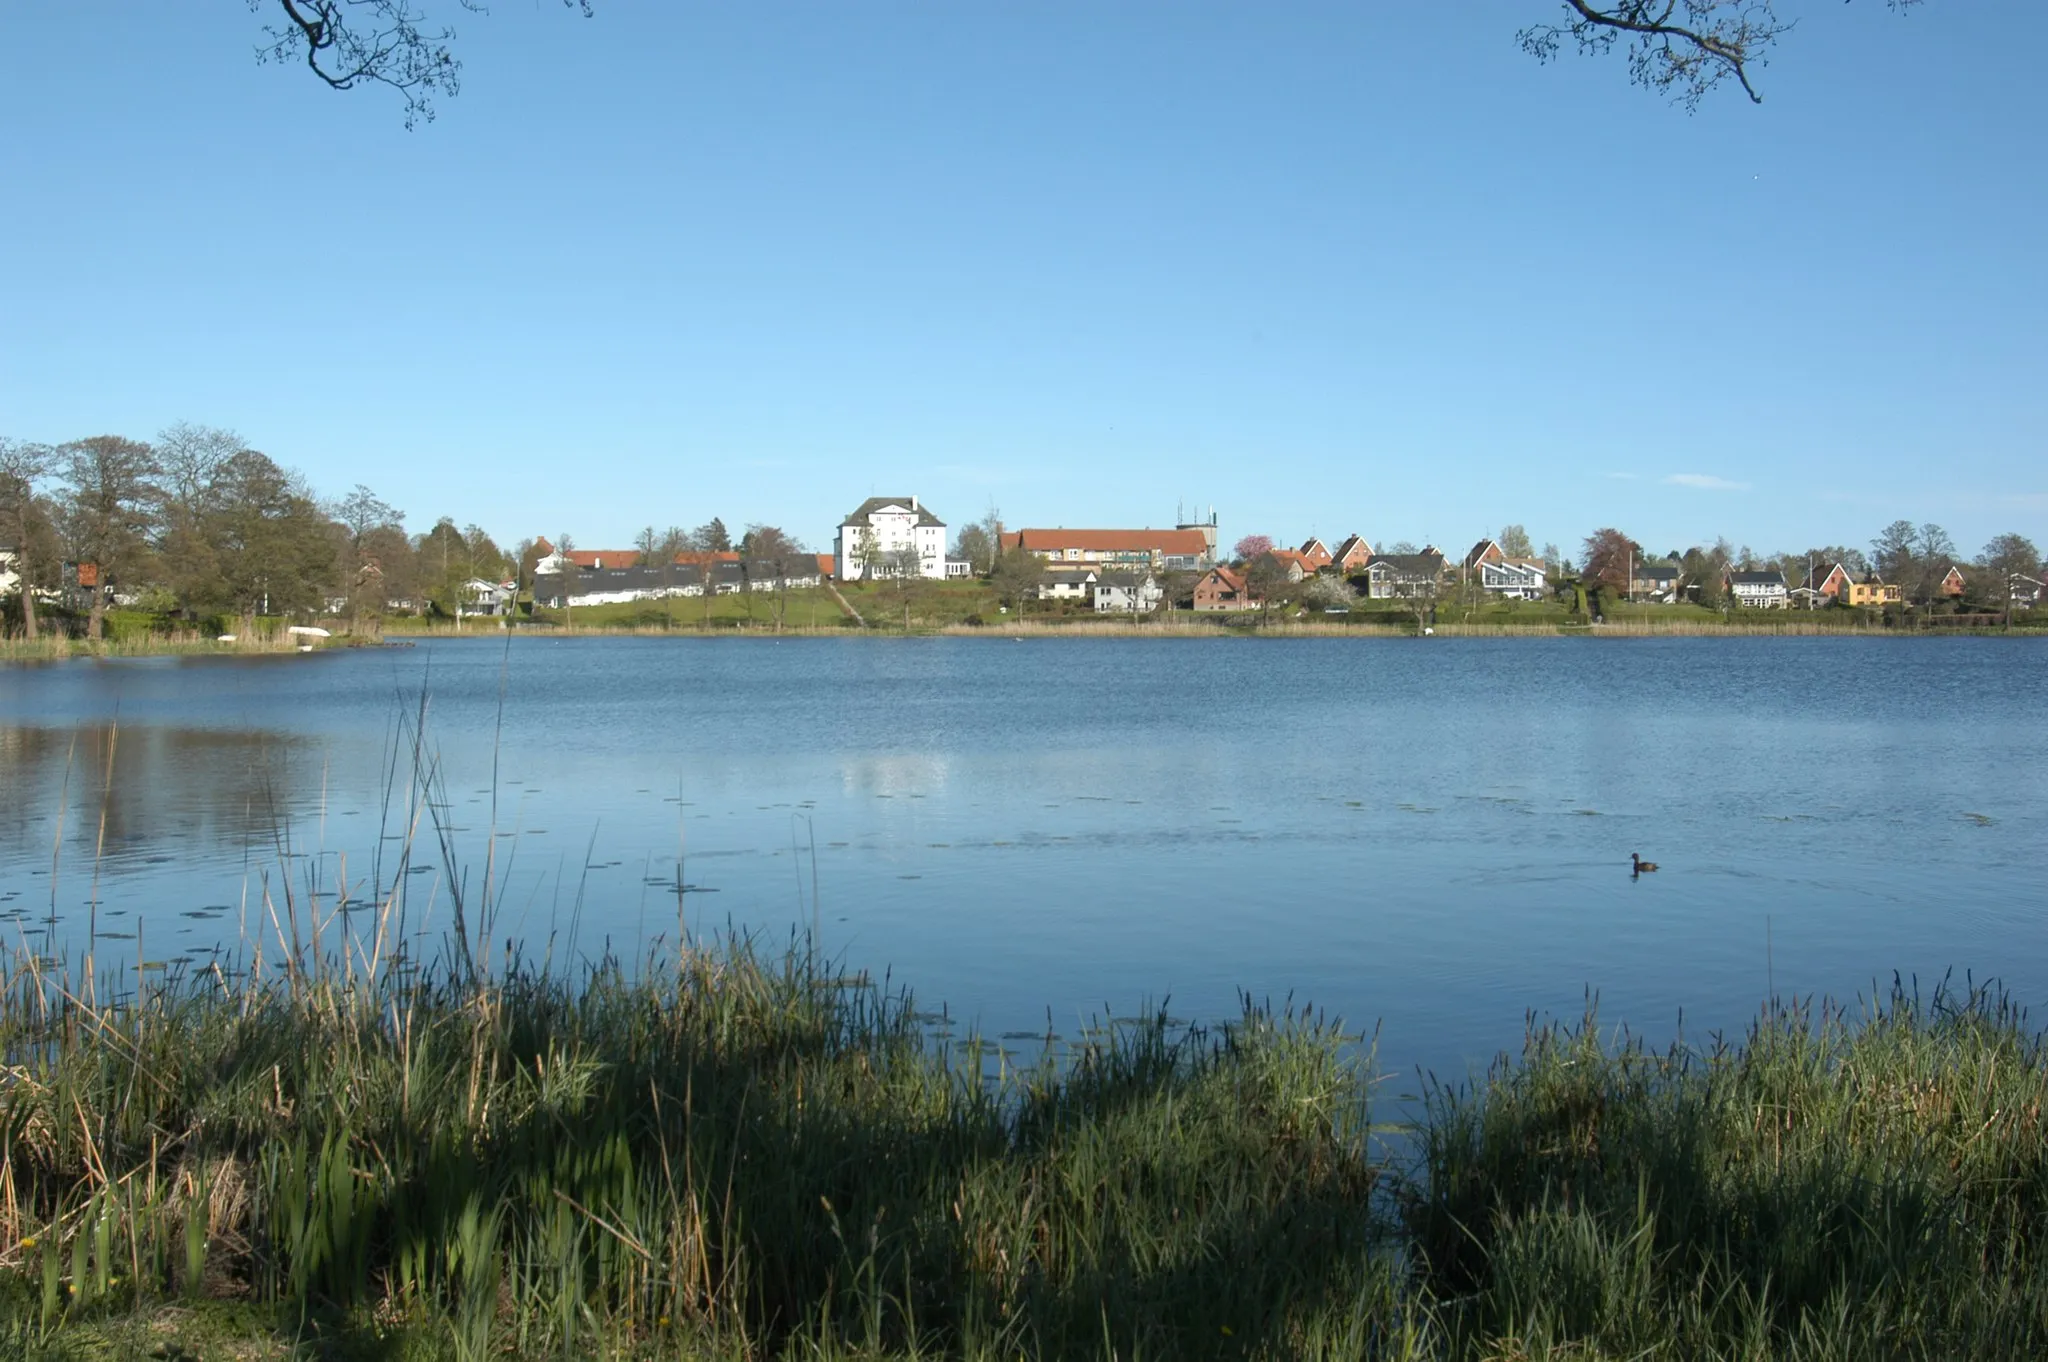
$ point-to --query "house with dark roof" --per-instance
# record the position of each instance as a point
(1066, 584)
(1405, 576)
(1655, 579)
(888, 537)
(1314, 554)
(1223, 588)
(1127, 593)
(1831, 581)
(1759, 590)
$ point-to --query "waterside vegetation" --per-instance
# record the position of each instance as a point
(735, 1154)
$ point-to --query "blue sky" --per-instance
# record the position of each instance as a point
(1327, 267)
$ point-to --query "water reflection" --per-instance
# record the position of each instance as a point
(148, 794)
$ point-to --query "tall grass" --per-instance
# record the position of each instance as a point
(727, 1151)
(1835, 1186)
(740, 1154)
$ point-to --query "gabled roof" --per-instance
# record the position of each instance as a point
(1479, 551)
(1658, 570)
(872, 504)
(604, 558)
(1352, 541)
(1312, 546)
(1070, 576)
(1428, 563)
(1228, 576)
(1171, 543)
(1818, 578)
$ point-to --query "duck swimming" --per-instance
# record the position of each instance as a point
(1642, 867)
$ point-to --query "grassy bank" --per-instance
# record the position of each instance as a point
(736, 1156)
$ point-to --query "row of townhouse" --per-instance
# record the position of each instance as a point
(616, 576)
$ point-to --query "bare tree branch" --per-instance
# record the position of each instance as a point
(1683, 48)
(347, 43)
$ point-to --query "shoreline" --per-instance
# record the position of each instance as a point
(57, 649)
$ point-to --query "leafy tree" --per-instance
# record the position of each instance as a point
(1938, 553)
(974, 544)
(648, 541)
(1608, 554)
(2008, 556)
(1895, 551)
(107, 513)
(564, 546)
(367, 522)
(711, 537)
(1017, 573)
(1251, 546)
(269, 539)
(1514, 542)
(1853, 561)
(443, 555)
(1266, 578)
(782, 554)
(25, 524)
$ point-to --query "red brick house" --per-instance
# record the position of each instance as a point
(1314, 554)
(1352, 555)
(1221, 588)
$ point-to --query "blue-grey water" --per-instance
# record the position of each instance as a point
(1431, 836)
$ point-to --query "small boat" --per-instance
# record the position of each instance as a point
(308, 631)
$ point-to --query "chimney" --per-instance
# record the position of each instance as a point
(913, 503)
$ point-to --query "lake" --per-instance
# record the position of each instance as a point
(1428, 835)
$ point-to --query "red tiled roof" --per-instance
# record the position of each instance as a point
(1227, 577)
(1190, 543)
(699, 559)
(604, 558)
(827, 565)
(88, 574)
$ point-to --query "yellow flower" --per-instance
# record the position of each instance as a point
(28, 1243)
(1226, 1330)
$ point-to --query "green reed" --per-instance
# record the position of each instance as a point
(724, 1151)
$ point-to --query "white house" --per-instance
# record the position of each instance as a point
(881, 531)
(1122, 593)
(1513, 578)
(481, 597)
(10, 578)
(1066, 584)
(1759, 590)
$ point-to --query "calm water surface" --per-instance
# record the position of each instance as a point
(1432, 836)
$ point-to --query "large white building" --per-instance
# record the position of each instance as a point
(873, 540)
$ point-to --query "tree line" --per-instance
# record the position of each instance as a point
(197, 525)
(1916, 558)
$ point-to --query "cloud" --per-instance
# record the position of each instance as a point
(1706, 482)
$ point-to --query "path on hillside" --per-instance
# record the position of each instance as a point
(833, 587)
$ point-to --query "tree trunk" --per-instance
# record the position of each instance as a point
(28, 601)
(95, 616)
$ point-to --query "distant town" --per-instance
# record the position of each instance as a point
(195, 530)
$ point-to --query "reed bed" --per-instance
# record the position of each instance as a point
(725, 1155)
(741, 1155)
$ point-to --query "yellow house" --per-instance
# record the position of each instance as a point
(1874, 592)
